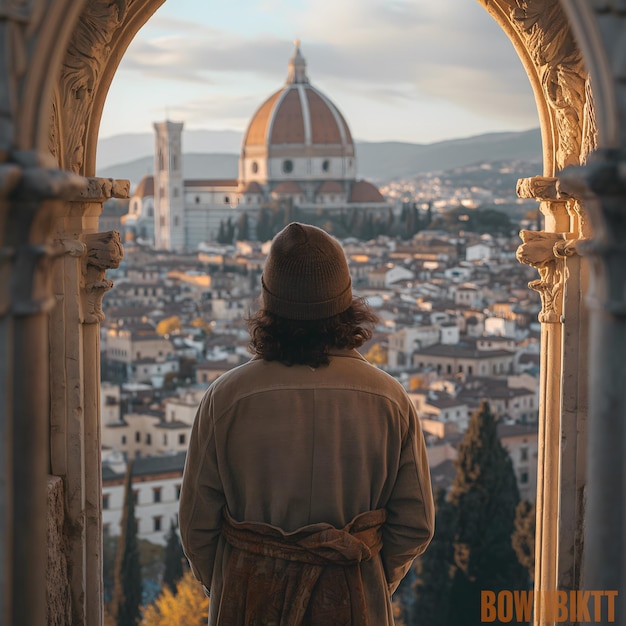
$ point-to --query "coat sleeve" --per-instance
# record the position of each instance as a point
(202, 496)
(410, 510)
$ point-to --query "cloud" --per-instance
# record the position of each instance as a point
(216, 111)
(393, 50)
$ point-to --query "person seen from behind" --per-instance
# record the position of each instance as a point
(306, 492)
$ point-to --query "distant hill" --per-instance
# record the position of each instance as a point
(131, 147)
(376, 161)
(194, 166)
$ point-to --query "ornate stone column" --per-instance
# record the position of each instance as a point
(540, 32)
(32, 195)
(562, 415)
(79, 285)
(33, 36)
(600, 28)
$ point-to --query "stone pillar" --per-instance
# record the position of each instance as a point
(31, 194)
(562, 416)
(79, 284)
(604, 179)
(600, 29)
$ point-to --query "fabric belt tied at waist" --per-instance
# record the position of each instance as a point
(309, 577)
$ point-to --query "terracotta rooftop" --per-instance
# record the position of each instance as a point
(330, 186)
(220, 182)
(252, 187)
(288, 187)
(145, 187)
(364, 192)
(287, 115)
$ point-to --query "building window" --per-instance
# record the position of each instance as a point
(137, 436)
(135, 496)
(165, 439)
(106, 529)
(181, 439)
(177, 487)
(287, 166)
(523, 478)
(523, 453)
(123, 440)
(105, 500)
(156, 494)
(156, 523)
(148, 439)
(197, 199)
(255, 167)
(326, 166)
(226, 199)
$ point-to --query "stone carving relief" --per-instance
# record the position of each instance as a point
(565, 82)
(103, 251)
(88, 51)
(539, 250)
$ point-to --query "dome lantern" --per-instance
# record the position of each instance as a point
(297, 67)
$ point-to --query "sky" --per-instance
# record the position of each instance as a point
(399, 70)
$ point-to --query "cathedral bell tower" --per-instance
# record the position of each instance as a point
(169, 223)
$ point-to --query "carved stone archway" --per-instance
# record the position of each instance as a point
(60, 57)
(542, 37)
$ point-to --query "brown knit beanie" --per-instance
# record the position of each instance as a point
(306, 275)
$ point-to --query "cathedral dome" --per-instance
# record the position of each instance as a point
(297, 134)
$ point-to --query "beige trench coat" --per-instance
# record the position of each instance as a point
(295, 446)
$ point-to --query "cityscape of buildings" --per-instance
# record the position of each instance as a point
(458, 323)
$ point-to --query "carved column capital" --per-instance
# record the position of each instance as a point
(542, 188)
(538, 251)
(602, 182)
(103, 251)
(30, 191)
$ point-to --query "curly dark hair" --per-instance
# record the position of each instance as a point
(307, 342)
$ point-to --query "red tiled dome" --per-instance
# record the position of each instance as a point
(298, 114)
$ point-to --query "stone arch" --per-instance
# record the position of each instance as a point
(63, 56)
(102, 33)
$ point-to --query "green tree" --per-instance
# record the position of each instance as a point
(264, 225)
(524, 536)
(127, 585)
(434, 569)
(174, 559)
(243, 227)
(485, 495)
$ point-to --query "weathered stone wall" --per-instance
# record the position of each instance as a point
(58, 607)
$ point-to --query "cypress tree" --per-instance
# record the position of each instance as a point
(243, 229)
(524, 536)
(127, 587)
(434, 569)
(174, 559)
(485, 495)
